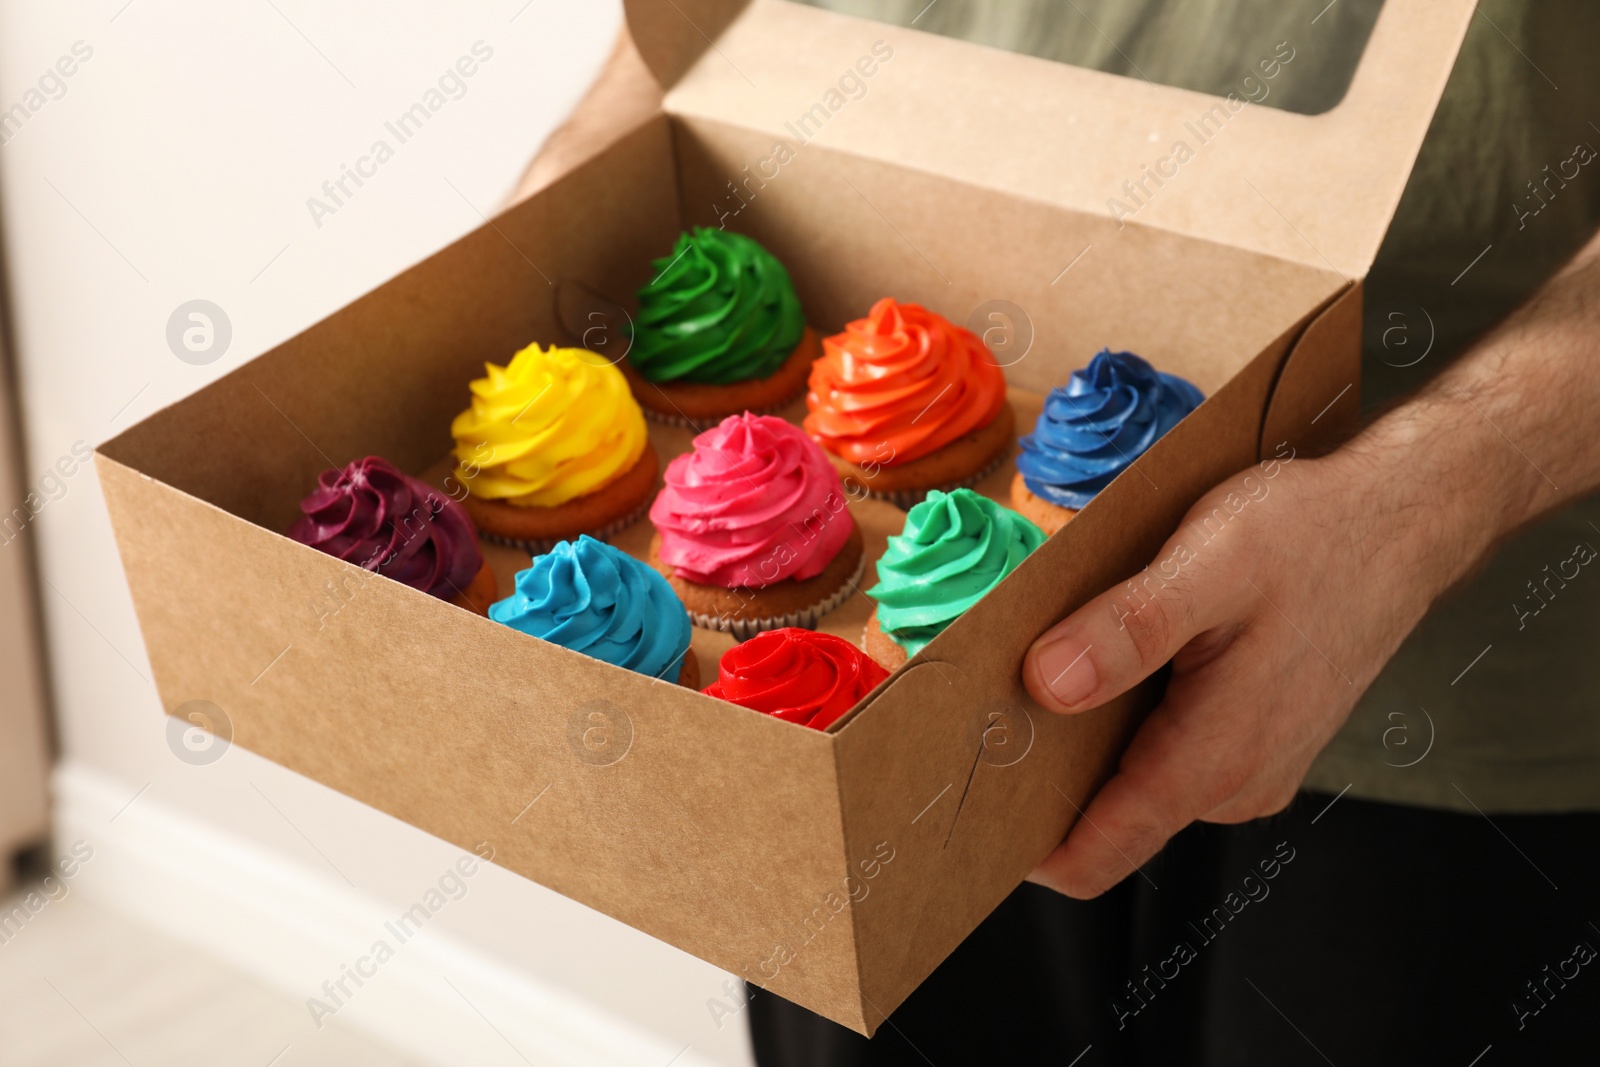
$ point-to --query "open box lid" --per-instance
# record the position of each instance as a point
(1318, 190)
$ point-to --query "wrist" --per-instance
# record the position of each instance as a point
(1432, 485)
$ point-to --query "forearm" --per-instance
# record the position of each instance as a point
(1505, 435)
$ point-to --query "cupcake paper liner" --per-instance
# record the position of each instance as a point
(906, 499)
(744, 629)
(538, 548)
(701, 425)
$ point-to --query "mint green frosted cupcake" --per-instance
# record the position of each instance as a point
(955, 547)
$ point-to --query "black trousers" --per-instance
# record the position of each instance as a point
(1354, 935)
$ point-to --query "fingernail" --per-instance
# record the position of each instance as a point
(1067, 670)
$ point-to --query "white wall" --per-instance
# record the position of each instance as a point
(175, 163)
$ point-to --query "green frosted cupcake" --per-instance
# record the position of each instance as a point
(955, 547)
(719, 332)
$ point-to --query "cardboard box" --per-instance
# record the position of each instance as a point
(836, 869)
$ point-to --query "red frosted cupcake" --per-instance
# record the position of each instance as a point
(796, 675)
(753, 528)
(383, 520)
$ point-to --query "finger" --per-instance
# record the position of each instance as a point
(1275, 793)
(1112, 840)
(1124, 635)
(1183, 764)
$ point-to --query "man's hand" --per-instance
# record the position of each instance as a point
(1282, 595)
(1277, 601)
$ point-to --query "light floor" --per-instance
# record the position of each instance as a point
(81, 986)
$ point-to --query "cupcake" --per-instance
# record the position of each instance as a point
(373, 515)
(752, 528)
(907, 402)
(955, 547)
(796, 675)
(1091, 430)
(719, 332)
(598, 600)
(553, 446)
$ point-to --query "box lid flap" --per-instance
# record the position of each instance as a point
(1316, 189)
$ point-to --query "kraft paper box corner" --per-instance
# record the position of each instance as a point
(836, 869)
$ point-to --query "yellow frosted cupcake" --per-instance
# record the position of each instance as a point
(553, 446)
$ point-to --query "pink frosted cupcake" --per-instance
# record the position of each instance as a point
(753, 531)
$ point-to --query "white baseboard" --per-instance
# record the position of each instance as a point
(436, 1001)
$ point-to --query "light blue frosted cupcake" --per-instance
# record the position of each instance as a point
(598, 600)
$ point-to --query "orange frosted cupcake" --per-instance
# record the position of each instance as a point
(553, 446)
(906, 401)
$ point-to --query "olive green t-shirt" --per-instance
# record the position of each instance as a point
(1491, 702)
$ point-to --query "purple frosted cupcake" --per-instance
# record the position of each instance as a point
(385, 521)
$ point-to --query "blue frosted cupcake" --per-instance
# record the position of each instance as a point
(598, 600)
(1091, 430)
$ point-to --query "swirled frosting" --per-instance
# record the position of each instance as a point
(720, 309)
(796, 675)
(955, 547)
(1093, 427)
(373, 515)
(899, 384)
(598, 600)
(755, 502)
(551, 425)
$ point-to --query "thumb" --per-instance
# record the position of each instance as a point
(1126, 634)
